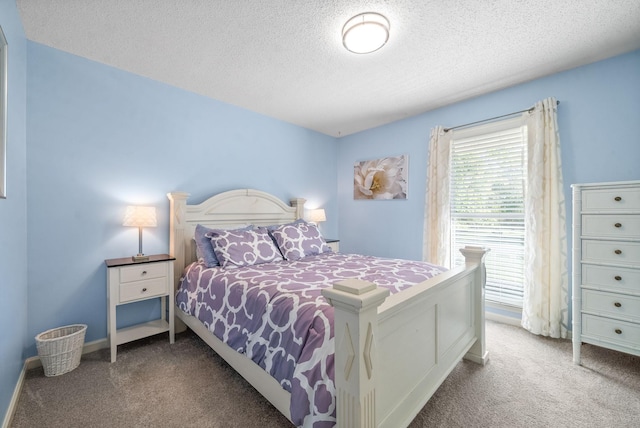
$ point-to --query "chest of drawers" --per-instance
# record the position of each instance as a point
(606, 266)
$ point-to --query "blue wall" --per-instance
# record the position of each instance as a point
(13, 211)
(599, 129)
(101, 138)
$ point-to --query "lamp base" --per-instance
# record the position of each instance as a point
(140, 258)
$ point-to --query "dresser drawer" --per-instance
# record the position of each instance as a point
(615, 279)
(611, 226)
(626, 253)
(612, 200)
(139, 290)
(612, 305)
(612, 331)
(143, 271)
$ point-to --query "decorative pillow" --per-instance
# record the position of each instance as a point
(273, 227)
(236, 248)
(204, 250)
(293, 223)
(299, 240)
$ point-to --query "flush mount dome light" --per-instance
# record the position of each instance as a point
(365, 33)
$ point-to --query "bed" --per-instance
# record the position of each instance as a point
(392, 351)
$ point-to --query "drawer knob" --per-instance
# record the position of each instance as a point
(144, 272)
(617, 278)
(618, 225)
(618, 331)
(618, 252)
(617, 199)
(617, 304)
(144, 289)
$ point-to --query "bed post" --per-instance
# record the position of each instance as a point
(475, 256)
(298, 204)
(177, 215)
(355, 327)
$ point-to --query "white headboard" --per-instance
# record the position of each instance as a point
(235, 208)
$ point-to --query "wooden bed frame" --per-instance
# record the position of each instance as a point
(392, 352)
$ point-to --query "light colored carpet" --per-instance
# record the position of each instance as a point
(529, 381)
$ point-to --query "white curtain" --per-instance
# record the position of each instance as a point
(435, 244)
(545, 307)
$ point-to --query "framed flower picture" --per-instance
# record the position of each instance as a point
(384, 178)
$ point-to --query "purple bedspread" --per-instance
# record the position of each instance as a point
(274, 314)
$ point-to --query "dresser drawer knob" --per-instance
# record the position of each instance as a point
(618, 331)
(617, 199)
(617, 278)
(144, 289)
(618, 252)
(617, 304)
(618, 225)
(144, 272)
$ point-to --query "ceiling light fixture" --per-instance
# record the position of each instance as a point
(365, 33)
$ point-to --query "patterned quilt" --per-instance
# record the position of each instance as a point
(275, 314)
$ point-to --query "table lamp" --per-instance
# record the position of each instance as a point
(140, 217)
(316, 216)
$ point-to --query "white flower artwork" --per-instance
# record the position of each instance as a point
(384, 178)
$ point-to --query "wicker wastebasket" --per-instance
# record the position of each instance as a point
(60, 348)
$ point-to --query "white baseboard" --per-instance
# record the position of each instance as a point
(511, 321)
(96, 345)
(501, 318)
(34, 362)
(14, 398)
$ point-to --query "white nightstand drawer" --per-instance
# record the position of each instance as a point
(617, 279)
(612, 305)
(627, 253)
(611, 199)
(611, 226)
(143, 271)
(610, 330)
(140, 290)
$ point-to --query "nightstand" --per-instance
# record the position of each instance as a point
(128, 282)
(334, 244)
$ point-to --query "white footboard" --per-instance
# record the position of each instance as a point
(392, 355)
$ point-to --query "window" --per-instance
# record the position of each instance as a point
(488, 181)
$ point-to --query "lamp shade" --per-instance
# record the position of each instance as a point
(140, 216)
(316, 216)
(365, 33)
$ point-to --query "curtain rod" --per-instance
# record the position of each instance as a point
(491, 118)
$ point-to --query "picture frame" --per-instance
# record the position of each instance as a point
(4, 58)
(381, 179)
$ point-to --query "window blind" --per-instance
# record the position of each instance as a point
(488, 173)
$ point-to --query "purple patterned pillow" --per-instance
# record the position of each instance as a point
(236, 248)
(299, 240)
(204, 249)
(293, 223)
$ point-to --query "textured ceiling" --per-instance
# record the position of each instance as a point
(285, 59)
